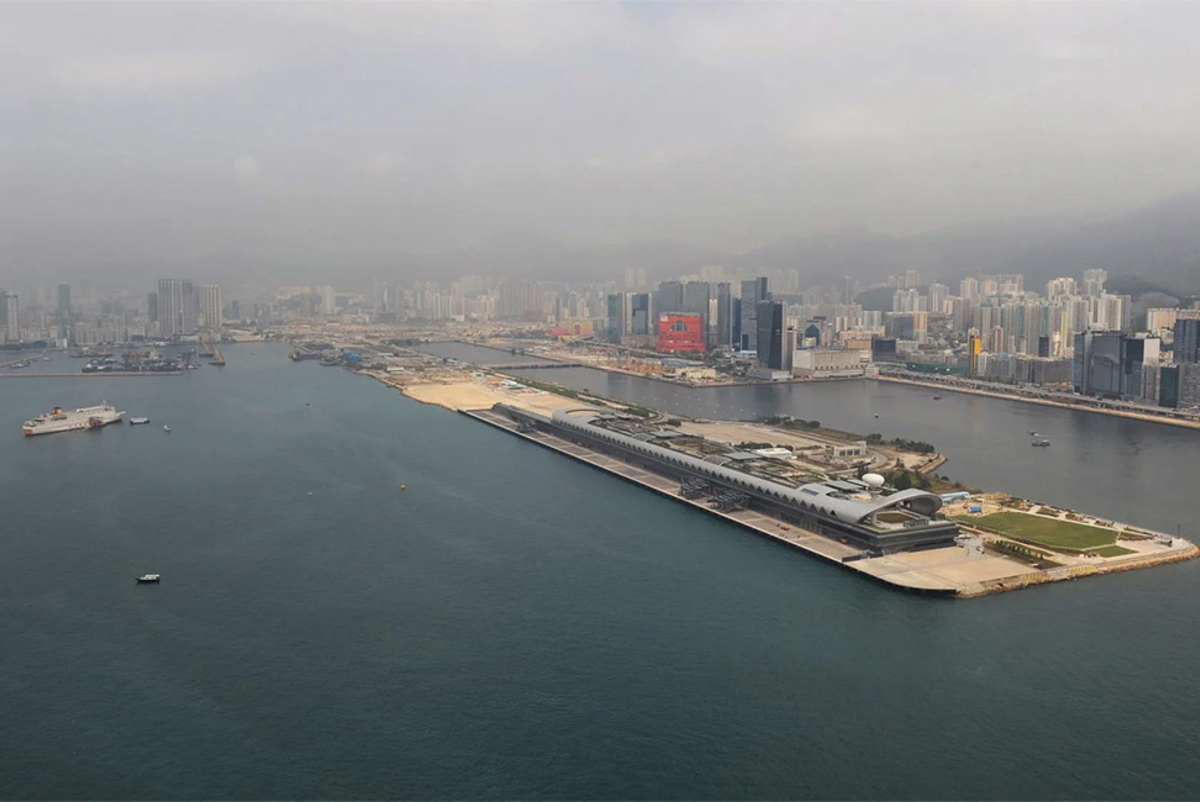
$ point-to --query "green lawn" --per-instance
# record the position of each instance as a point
(1048, 532)
(1113, 551)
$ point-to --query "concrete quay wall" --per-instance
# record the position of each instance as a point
(757, 522)
(954, 572)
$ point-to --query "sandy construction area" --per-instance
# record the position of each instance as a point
(478, 395)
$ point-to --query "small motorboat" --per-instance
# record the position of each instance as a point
(166, 428)
(1040, 443)
(137, 421)
(937, 398)
(148, 579)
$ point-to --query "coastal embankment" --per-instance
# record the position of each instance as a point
(1046, 402)
(966, 570)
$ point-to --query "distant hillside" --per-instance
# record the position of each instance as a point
(1154, 248)
(1157, 246)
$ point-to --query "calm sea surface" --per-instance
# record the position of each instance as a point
(517, 625)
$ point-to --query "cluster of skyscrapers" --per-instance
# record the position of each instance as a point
(179, 308)
(11, 329)
(1115, 364)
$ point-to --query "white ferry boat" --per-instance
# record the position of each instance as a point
(62, 421)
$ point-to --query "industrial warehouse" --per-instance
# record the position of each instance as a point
(859, 512)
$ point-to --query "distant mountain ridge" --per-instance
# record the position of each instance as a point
(1159, 244)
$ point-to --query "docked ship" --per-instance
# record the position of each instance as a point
(62, 421)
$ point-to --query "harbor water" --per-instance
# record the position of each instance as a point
(366, 597)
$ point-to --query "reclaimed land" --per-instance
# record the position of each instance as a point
(961, 571)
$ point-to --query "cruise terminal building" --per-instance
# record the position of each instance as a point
(865, 514)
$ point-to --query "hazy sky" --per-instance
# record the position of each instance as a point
(170, 132)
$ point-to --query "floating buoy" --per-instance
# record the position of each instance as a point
(403, 487)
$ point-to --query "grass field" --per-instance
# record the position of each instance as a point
(1113, 551)
(1048, 532)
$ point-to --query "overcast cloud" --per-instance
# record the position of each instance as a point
(328, 133)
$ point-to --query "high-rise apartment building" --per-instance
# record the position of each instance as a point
(635, 278)
(64, 313)
(64, 303)
(210, 306)
(329, 300)
(1161, 319)
(12, 310)
(191, 307)
(170, 307)
(937, 298)
(908, 300)
(1062, 287)
(1093, 282)
(525, 300)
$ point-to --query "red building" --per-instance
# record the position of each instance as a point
(680, 333)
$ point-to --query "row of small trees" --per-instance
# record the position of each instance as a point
(1018, 550)
(915, 446)
(789, 422)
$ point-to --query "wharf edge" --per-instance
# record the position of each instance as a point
(809, 542)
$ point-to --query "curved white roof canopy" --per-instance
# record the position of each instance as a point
(816, 496)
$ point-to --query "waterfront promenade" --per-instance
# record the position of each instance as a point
(603, 363)
(1149, 417)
